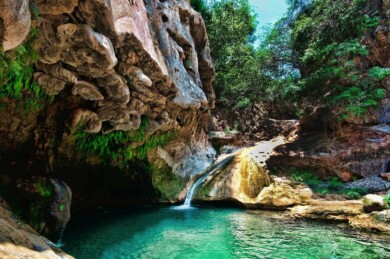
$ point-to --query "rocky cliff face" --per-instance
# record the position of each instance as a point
(121, 74)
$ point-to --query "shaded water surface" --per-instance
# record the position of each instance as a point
(213, 233)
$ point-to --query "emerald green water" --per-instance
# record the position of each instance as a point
(213, 233)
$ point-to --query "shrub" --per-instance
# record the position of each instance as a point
(16, 74)
(334, 183)
(332, 186)
(354, 193)
(121, 147)
(326, 37)
(387, 199)
(305, 175)
(44, 190)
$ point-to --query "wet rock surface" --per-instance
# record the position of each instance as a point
(18, 240)
(247, 180)
(46, 205)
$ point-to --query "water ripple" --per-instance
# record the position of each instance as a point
(214, 233)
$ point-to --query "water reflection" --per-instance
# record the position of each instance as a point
(213, 233)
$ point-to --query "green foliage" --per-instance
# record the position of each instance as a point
(332, 186)
(334, 183)
(231, 26)
(43, 189)
(119, 146)
(305, 175)
(326, 44)
(16, 75)
(227, 131)
(201, 7)
(379, 73)
(166, 183)
(353, 193)
(35, 11)
(315, 56)
(387, 199)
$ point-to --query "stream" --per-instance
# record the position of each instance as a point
(165, 232)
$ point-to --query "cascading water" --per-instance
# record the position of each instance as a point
(60, 242)
(194, 187)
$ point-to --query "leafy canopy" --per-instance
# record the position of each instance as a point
(314, 56)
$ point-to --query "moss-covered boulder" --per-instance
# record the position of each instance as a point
(372, 202)
(169, 186)
(45, 205)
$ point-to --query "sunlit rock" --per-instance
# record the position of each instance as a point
(372, 202)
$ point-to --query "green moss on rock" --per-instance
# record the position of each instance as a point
(119, 147)
(166, 183)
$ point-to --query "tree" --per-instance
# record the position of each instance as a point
(231, 27)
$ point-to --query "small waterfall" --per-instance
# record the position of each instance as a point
(194, 187)
(60, 242)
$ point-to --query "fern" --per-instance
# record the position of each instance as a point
(118, 147)
(16, 75)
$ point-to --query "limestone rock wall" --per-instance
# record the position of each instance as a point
(124, 58)
(108, 64)
(127, 59)
(132, 59)
(15, 22)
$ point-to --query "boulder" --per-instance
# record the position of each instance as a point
(280, 195)
(108, 51)
(383, 216)
(50, 84)
(86, 118)
(361, 155)
(369, 222)
(373, 202)
(221, 138)
(47, 205)
(58, 71)
(328, 210)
